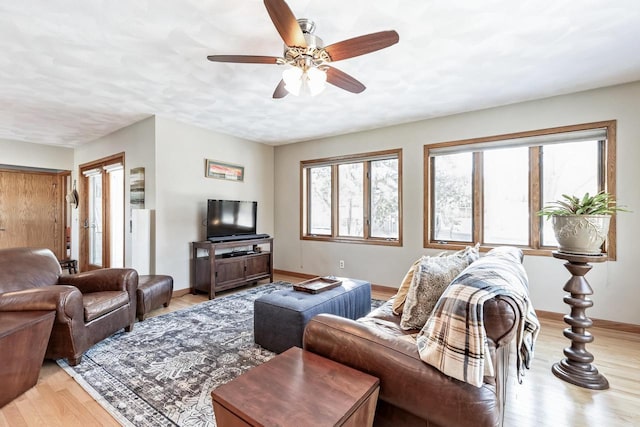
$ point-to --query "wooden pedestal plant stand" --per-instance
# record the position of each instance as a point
(577, 367)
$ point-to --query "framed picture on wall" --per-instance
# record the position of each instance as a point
(136, 179)
(227, 171)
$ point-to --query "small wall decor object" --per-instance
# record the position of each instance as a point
(73, 197)
(136, 179)
(220, 170)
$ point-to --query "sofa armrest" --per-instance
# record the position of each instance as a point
(501, 317)
(106, 279)
(405, 380)
(65, 300)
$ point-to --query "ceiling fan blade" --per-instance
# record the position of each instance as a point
(343, 80)
(360, 45)
(280, 91)
(285, 23)
(245, 59)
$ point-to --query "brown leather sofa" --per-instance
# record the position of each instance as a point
(413, 393)
(90, 306)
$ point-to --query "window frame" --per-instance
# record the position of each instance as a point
(334, 162)
(608, 183)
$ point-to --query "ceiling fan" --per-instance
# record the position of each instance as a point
(307, 58)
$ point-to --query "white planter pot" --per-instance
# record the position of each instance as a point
(581, 234)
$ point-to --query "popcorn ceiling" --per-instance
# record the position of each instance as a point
(71, 72)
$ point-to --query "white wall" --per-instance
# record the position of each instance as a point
(18, 153)
(614, 283)
(176, 189)
(183, 189)
(137, 141)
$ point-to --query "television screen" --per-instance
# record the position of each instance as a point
(231, 218)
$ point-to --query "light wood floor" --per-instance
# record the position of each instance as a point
(541, 400)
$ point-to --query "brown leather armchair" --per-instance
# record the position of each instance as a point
(90, 306)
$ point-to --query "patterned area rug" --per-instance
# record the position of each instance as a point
(162, 373)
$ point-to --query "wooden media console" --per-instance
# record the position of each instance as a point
(227, 265)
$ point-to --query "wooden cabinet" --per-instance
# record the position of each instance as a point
(226, 265)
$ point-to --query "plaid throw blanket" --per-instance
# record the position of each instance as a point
(454, 339)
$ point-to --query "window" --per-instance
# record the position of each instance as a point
(488, 190)
(353, 198)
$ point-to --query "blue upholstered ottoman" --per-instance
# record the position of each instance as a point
(280, 317)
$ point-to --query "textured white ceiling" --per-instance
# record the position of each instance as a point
(72, 71)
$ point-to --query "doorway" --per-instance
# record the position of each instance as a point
(32, 208)
(102, 213)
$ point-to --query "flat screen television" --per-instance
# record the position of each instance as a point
(226, 218)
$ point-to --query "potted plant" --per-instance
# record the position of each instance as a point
(581, 224)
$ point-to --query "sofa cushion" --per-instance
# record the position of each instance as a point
(431, 277)
(401, 295)
(97, 304)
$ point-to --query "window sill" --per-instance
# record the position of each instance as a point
(378, 242)
(486, 248)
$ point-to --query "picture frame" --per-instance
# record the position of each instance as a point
(136, 191)
(222, 170)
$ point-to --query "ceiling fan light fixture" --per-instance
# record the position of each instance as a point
(312, 80)
(316, 80)
(293, 80)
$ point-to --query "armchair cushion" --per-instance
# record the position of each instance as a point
(97, 304)
(27, 268)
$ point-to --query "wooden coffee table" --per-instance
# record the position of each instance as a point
(297, 388)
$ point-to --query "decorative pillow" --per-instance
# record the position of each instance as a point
(431, 277)
(403, 289)
(398, 301)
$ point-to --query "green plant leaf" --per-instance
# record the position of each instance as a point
(601, 203)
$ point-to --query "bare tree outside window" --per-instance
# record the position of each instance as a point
(561, 161)
(453, 197)
(384, 198)
(350, 199)
(488, 190)
(353, 198)
(320, 200)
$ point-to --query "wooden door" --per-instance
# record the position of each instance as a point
(102, 225)
(32, 210)
(229, 271)
(258, 266)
